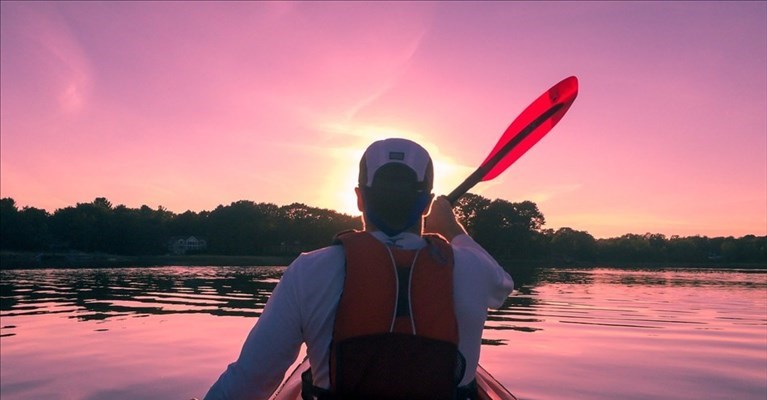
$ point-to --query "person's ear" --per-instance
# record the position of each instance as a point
(427, 210)
(360, 199)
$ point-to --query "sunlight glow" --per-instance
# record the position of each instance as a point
(338, 192)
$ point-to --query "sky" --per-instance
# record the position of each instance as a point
(191, 105)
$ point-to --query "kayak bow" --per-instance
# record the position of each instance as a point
(488, 387)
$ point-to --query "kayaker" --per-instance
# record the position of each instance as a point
(389, 312)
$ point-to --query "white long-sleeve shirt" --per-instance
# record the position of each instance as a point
(302, 309)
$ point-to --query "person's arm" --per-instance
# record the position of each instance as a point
(270, 348)
(442, 220)
(498, 284)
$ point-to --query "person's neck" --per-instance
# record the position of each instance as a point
(417, 229)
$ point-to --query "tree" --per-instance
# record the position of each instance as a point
(570, 244)
(25, 229)
(85, 227)
(688, 249)
(657, 246)
(748, 248)
(82, 227)
(311, 227)
(33, 232)
(467, 208)
(239, 228)
(9, 224)
(629, 247)
(103, 203)
(188, 223)
(505, 229)
(138, 231)
(508, 229)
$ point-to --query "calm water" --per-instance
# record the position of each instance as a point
(167, 333)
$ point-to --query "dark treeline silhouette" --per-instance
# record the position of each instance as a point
(241, 228)
(509, 231)
(515, 231)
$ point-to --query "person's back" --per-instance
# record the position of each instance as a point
(366, 305)
(395, 333)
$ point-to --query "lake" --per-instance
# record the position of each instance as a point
(604, 333)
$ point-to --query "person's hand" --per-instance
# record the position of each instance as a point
(442, 220)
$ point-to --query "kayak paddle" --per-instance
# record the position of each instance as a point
(524, 132)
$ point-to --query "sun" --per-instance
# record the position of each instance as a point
(345, 196)
(337, 191)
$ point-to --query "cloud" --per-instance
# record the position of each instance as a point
(49, 53)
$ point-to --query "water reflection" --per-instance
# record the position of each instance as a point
(99, 294)
(685, 277)
(673, 334)
(625, 298)
(571, 296)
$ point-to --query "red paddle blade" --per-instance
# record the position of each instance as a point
(560, 97)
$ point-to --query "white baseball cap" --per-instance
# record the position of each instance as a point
(397, 151)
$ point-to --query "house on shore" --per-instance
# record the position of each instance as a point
(180, 245)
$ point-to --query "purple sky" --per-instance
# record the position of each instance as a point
(188, 105)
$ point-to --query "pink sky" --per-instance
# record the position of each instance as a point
(188, 105)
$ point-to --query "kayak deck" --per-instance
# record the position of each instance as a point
(488, 387)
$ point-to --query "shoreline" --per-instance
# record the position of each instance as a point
(558, 264)
(31, 260)
(9, 260)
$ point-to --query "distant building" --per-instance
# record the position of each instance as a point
(181, 245)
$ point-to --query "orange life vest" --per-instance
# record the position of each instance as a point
(396, 333)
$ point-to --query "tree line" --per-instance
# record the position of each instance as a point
(508, 230)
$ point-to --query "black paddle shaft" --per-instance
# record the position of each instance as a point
(485, 168)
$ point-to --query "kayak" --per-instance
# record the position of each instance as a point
(488, 387)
